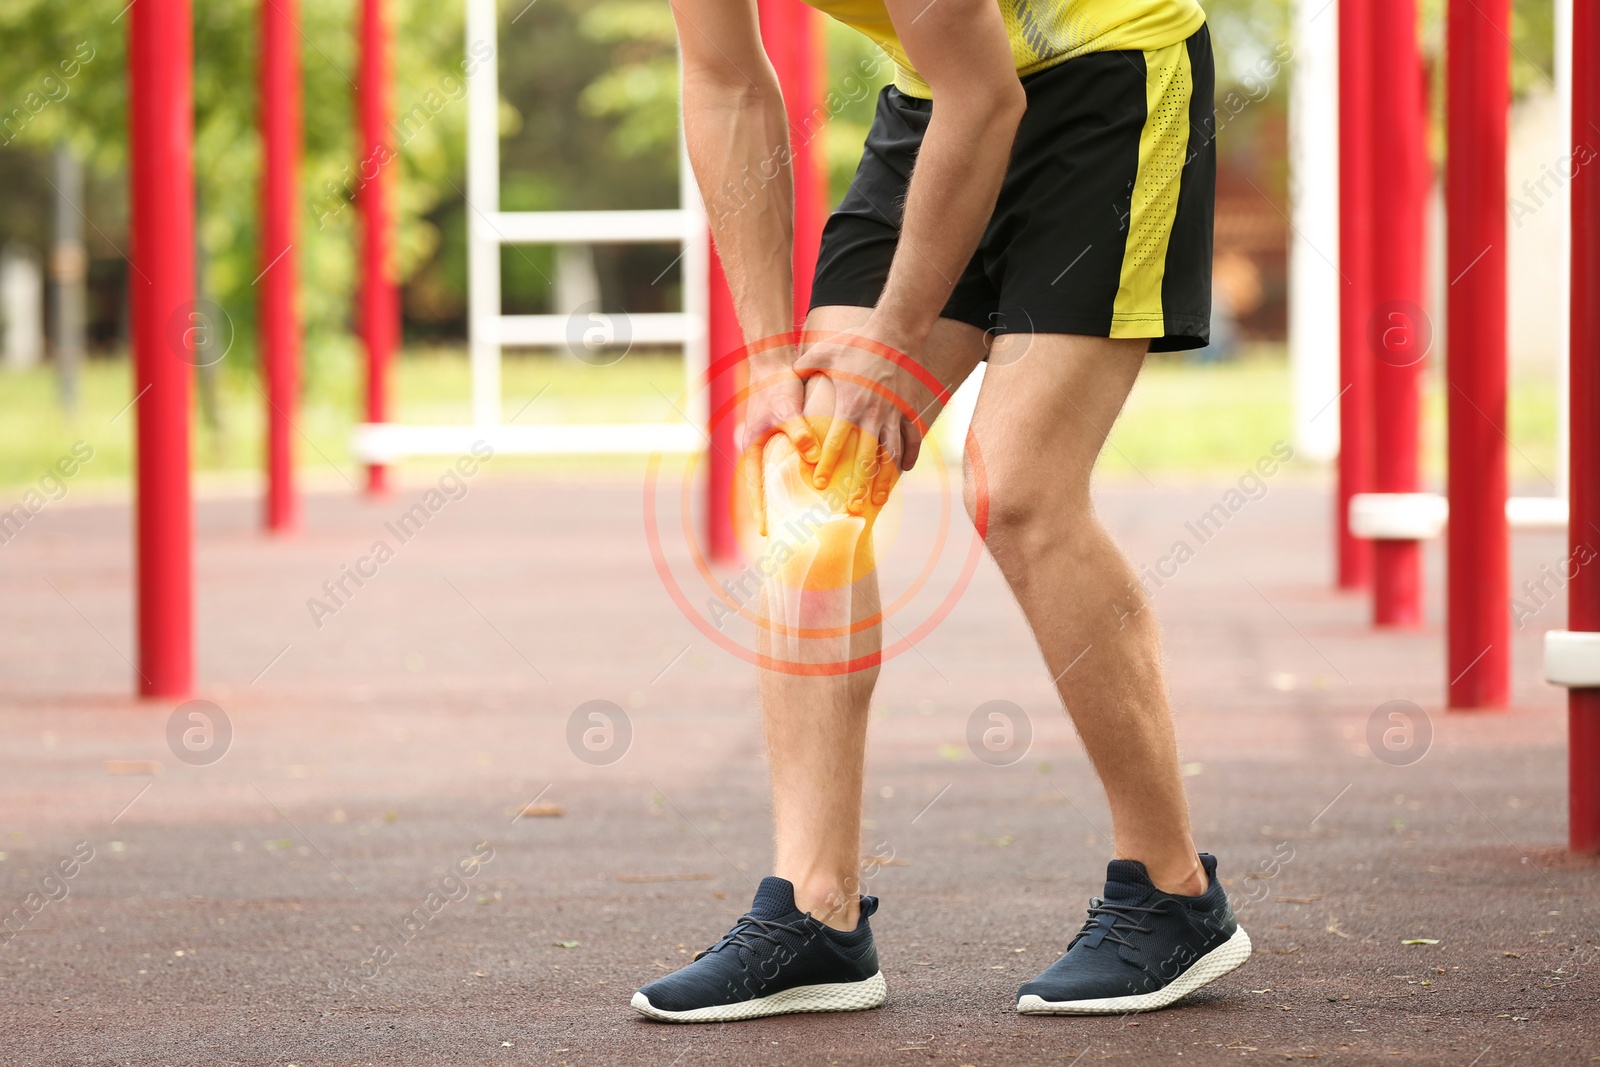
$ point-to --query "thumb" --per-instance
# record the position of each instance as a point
(798, 429)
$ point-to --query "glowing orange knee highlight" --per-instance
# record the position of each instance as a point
(814, 541)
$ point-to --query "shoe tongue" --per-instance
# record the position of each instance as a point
(774, 899)
(1127, 881)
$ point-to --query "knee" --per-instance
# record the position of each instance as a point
(814, 543)
(1023, 518)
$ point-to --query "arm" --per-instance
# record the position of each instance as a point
(738, 139)
(960, 48)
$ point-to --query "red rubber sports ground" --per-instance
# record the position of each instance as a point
(385, 834)
(239, 912)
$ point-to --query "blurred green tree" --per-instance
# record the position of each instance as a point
(590, 121)
(88, 111)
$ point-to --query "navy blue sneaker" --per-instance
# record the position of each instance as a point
(775, 961)
(1141, 949)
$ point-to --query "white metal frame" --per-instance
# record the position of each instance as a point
(1314, 286)
(488, 230)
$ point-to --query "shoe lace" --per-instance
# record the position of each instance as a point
(749, 930)
(1119, 913)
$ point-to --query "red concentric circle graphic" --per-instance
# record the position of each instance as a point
(730, 364)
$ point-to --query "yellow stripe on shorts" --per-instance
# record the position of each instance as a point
(1163, 145)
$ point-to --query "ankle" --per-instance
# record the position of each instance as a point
(830, 903)
(1180, 879)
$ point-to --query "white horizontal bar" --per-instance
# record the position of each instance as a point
(1572, 658)
(1420, 516)
(388, 442)
(582, 227)
(1398, 516)
(596, 330)
(1537, 512)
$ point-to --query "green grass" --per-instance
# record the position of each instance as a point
(1188, 419)
(1183, 420)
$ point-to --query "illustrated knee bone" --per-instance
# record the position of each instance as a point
(816, 548)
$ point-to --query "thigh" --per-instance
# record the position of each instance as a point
(1046, 405)
(953, 350)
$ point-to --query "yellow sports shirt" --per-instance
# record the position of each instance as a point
(1043, 32)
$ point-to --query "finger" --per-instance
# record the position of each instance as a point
(884, 484)
(813, 358)
(758, 492)
(864, 470)
(910, 446)
(888, 469)
(818, 412)
(832, 447)
(798, 429)
(755, 482)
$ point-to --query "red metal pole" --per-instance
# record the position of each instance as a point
(792, 34)
(160, 140)
(1478, 645)
(1355, 298)
(1399, 170)
(724, 336)
(380, 305)
(280, 327)
(1583, 592)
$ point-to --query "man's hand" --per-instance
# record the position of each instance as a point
(774, 405)
(876, 426)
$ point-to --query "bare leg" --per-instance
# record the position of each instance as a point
(1047, 403)
(816, 723)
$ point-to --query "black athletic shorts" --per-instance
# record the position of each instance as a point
(1103, 226)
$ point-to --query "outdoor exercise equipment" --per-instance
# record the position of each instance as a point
(1395, 325)
(1385, 334)
(161, 175)
(1314, 237)
(379, 308)
(1354, 472)
(1572, 656)
(279, 324)
(166, 319)
(1478, 550)
(705, 325)
(1380, 516)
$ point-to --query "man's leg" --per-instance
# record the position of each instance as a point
(819, 590)
(1047, 403)
(816, 724)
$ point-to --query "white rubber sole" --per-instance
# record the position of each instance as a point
(835, 996)
(1228, 956)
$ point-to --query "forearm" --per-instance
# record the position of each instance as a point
(738, 141)
(952, 194)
